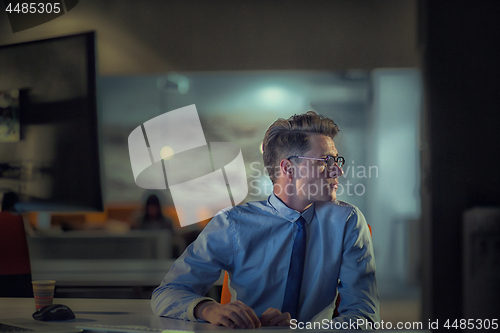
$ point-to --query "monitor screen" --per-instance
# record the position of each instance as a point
(49, 135)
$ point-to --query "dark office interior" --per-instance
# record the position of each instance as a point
(446, 265)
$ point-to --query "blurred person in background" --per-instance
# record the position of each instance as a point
(152, 217)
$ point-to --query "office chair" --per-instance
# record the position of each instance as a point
(226, 294)
(15, 269)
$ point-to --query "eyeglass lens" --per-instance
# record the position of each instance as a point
(332, 160)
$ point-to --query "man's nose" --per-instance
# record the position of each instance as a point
(335, 172)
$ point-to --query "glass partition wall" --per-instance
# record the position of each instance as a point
(378, 113)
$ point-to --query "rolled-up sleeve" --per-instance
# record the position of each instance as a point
(358, 285)
(195, 271)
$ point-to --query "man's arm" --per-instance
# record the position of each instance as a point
(195, 271)
(358, 286)
(180, 293)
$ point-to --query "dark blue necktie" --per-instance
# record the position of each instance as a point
(294, 281)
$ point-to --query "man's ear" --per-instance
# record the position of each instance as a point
(287, 168)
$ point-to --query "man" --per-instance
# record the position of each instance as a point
(284, 255)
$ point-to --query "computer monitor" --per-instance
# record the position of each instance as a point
(49, 136)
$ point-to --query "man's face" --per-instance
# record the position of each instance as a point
(314, 181)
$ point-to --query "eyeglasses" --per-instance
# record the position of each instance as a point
(330, 161)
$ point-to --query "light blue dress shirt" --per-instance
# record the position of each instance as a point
(253, 243)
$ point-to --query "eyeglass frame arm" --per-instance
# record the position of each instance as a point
(336, 158)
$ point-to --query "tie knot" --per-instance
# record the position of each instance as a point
(301, 222)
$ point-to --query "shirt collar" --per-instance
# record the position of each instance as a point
(288, 213)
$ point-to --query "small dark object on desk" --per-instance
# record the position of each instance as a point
(54, 312)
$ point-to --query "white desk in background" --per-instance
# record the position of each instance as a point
(136, 312)
(106, 278)
(104, 273)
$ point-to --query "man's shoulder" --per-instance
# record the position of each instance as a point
(337, 207)
(251, 207)
(340, 214)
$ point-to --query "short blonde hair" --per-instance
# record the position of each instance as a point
(289, 137)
